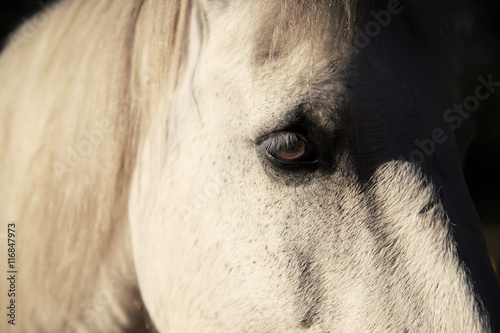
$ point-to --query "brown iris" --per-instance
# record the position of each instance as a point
(294, 152)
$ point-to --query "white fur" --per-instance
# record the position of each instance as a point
(179, 213)
(228, 262)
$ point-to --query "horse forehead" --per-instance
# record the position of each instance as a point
(284, 53)
(274, 29)
(313, 31)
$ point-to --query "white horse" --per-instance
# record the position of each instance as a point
(238, 166)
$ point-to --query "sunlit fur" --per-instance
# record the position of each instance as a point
(173, 210)
(82, 70)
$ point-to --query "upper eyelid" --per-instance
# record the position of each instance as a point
(296, 117)
(298, 127)
(274, 141)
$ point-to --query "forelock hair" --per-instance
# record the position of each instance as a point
(331, 25)
(325, 23)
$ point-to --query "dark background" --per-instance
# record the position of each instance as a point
(478, 25)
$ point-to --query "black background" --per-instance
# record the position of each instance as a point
(479, 26)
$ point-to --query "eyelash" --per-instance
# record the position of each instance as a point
(277, 141)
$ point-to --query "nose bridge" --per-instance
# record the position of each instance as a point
(309, 289)
(330, 259)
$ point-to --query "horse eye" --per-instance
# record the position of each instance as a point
(294, 152)
(288, 148)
